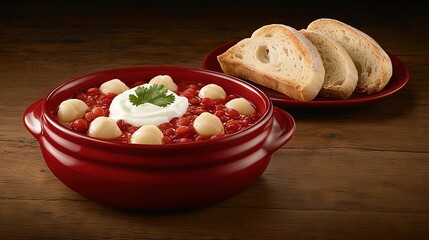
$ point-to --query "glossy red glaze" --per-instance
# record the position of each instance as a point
(398, 80)
(158, 177)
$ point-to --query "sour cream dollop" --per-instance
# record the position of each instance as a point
(147, 113)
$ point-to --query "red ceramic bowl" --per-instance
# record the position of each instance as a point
(158, 177)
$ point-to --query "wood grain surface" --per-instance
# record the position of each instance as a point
(360, 173)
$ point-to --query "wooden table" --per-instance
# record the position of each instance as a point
(360, 173)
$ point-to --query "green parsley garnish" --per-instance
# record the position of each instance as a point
(155, 94)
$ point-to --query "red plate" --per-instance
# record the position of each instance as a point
(399, 79)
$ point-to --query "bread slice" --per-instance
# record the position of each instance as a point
(278, 57)
(372, 62)
(341, 75)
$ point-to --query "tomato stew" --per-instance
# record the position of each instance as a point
(178, 129)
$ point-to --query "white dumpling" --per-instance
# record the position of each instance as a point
(212, 91)
(71, 109)
(164, 80)
(104, 128)
(148, 134)
(241, 105)
(207, 124)
(113, 86)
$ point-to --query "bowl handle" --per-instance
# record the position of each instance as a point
(32, 118)
(282, 130)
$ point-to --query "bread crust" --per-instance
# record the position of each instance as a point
(382, 63)
(339, 67)
(305, 90)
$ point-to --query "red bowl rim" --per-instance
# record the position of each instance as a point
(83, 139)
